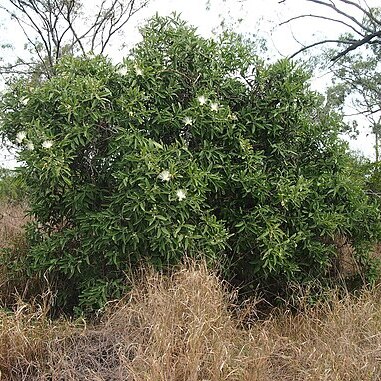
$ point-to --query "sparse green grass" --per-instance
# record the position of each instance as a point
(185, 326)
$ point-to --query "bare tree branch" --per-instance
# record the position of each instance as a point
(367, 29)
(317, 44)
(20, 5)
(36, 48)
(367, 113)
(363, 10)
(323, 18)
(341, 12)
(357, 44)
(55, 27)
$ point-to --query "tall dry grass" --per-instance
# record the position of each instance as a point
(186, 327)
(181, 327)
(12, 221)
(13, 247)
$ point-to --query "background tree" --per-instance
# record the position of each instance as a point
(357, 86)
(355, 61)
(54, 28)
(363, 30)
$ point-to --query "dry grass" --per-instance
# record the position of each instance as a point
(185, 327)
(13, 246)
(180, 328)
(12, 220)
(25, 336)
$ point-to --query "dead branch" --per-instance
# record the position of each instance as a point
(367, 34)
(304, 48)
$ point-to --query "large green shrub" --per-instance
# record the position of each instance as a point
(191, 146)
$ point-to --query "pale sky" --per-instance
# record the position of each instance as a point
(258, 17)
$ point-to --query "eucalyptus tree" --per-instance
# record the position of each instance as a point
(54, 28)
(353, 61)
(356, 90)
(362, 22)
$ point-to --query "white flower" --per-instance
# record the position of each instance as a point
(233, 116)
(30, 146)
(20, 136)
(201, 99)
(214, 106)
(130, 113)
(122, 70)
(181, 194)
(188, 121)
(47, 144)
(25, 101)
(138, 70)
(165, 176)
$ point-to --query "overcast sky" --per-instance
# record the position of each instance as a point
(259, 17)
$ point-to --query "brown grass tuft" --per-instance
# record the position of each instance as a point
(169, 328)
(25, 334)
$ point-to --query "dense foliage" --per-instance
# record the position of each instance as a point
(190, 146)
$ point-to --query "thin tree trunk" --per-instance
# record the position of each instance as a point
(376, 146)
